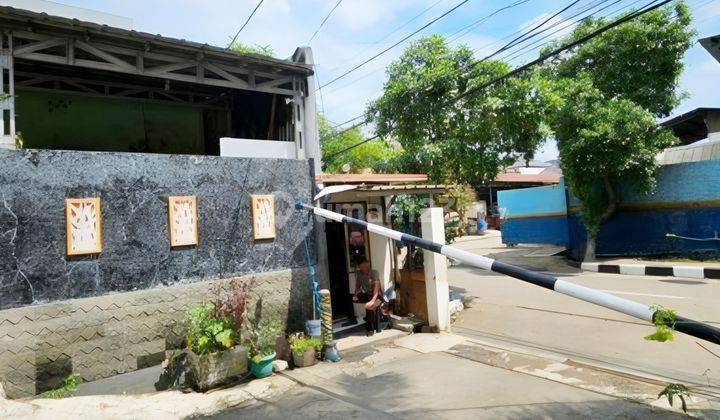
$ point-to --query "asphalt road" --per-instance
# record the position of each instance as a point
(518, 313)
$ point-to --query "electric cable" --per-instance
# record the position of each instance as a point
(646, 9)
(245, 24)
(323, 22)
(394, 45)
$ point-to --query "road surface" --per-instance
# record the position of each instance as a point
(521, 314)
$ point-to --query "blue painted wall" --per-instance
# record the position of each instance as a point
(534, 215)
(533, 202)
(685, 202)
(536, 230)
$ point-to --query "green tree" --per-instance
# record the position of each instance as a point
(603, 143)
(640, 60)
(377, 154)
(465, 141)
(609, 92)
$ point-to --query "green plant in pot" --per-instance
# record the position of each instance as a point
(209, 332)
(304, 349)
(212, 355)
(261, 345)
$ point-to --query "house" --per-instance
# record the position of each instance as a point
(97, 87)
(131, 169)
(368, 197)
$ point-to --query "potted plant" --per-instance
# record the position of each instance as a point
(261, 345)
(304, 349)
(212, 355)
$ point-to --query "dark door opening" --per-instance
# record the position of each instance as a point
(340, 296)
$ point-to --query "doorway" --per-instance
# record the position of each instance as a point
(340, 295)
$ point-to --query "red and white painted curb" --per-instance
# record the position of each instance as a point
(691, 271)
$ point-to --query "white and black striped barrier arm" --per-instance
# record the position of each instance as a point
(628, 307)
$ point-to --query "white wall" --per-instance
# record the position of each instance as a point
(257, 148)
(530, 170)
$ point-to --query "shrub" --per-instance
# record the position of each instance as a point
(65, 388)
(232, 301)
(207, 331)
(664, 321)
(299, 344)
(261, 341)
(676, 390)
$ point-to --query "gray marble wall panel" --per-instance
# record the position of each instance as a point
(136, 251)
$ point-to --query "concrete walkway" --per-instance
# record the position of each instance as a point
(416, 376)
(450, 377)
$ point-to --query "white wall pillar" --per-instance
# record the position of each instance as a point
(311, 149)
(380, 259)
(436, 285)
(310, 130)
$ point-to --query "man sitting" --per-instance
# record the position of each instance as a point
(367, 291)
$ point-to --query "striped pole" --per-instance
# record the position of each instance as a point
(628, 307)
(326, 316)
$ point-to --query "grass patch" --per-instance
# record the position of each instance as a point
(65, 388)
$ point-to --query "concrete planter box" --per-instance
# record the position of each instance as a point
(307, 359)
(184, 368)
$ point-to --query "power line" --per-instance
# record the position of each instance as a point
(565, 20)
(370, 44)
(645, 9)
(528, 48)
(327, 158)
(395, 44)
(349, 121)
(527, 35)
(519, 31)
(408, 22)
(245, 24)
(323, 21)
(516, 3)
(472, 26)
(322, 100)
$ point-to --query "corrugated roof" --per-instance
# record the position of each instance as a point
(402, 187)
(702, 150)
(369, 178)
(530, 164)
(23, 18)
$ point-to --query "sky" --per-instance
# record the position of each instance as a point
(359, 29)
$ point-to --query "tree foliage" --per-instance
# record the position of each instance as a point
(608, 93)
(464, 141)
(640, 60)
(377, 154)
(603, 143)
